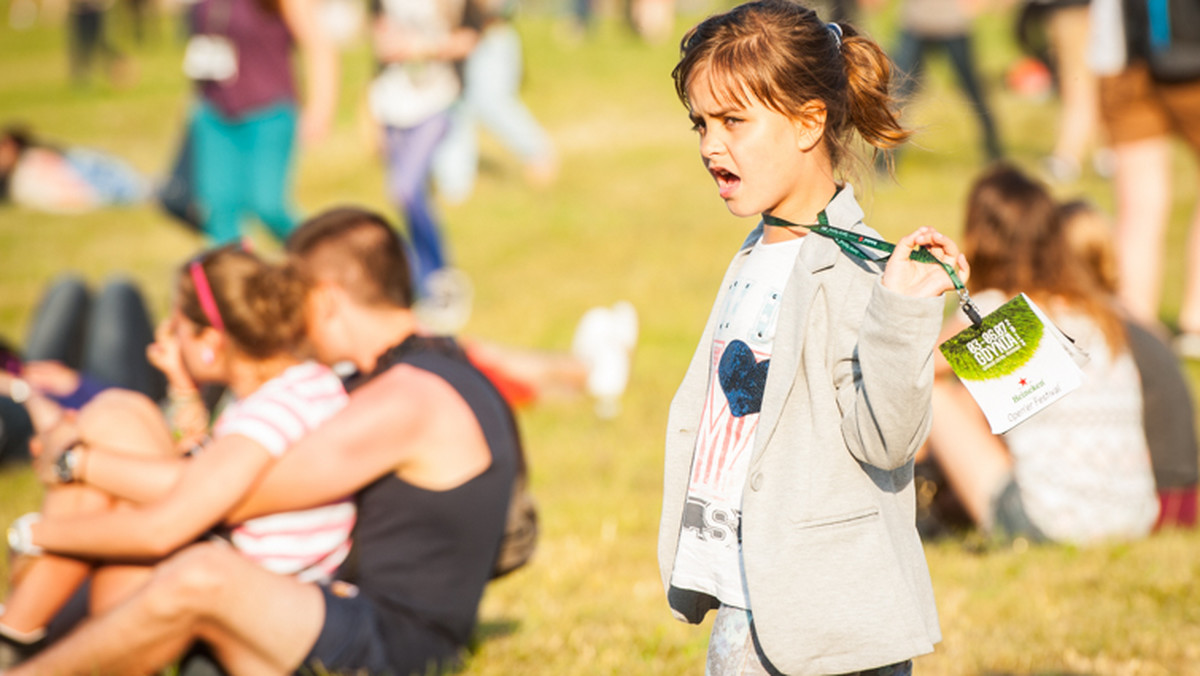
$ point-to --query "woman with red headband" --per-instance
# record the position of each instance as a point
(123, 496)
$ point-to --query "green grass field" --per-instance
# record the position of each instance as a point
(633, 216)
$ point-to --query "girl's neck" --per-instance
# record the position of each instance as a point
(802, 208)
(247, 375)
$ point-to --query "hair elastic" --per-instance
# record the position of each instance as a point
(836, 31)
(204, 294)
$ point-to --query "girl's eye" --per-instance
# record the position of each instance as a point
(698, 126)
(731, 121)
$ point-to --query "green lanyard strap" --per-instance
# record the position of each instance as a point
(852, 243)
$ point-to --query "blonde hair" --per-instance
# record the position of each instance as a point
(259, 305)
(780, 53)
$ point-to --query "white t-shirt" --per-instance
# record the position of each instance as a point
(708, 558)
(310, 543)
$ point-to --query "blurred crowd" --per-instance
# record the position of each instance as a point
(1117, 459)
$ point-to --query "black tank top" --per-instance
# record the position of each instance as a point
(424, 557)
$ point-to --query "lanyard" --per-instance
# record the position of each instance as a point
(851, 243)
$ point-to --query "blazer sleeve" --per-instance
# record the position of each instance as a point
(886, 405)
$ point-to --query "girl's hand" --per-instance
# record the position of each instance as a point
(924, 280)
(164, 355)
(51, 377)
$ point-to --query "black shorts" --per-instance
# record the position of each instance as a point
(350, 640)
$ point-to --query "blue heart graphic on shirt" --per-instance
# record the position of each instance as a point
(742, 379)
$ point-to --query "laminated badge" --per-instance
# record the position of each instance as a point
(1015, 363)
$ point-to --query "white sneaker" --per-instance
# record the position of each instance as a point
(604, 341)
(446, 305)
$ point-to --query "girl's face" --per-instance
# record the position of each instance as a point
(757, 156)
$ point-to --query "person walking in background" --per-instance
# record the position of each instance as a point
(88, 41)
(1078, 471)
(419, 44)
(491, 87)
(1149, 93)
(788, 501)
(1066, 26)
(245, 123)
(943, 25)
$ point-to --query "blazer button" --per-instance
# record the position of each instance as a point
(756, 481)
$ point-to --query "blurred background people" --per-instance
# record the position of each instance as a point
(78, 345)
(1078, 471)
(491, 99)
(1149, 93)
(40, 175)
(419, 44)
(1168, 416)
(88, 42)
(943, 25)
(1056, 32)
(246, 118)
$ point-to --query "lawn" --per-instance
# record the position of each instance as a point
(632, 216)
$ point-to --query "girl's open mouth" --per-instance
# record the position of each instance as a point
(727, 182)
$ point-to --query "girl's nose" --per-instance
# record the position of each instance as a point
(710, 144)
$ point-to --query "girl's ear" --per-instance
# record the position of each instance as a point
(810, 125)
(213, 339)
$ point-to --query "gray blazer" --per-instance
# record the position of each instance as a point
(834, 567)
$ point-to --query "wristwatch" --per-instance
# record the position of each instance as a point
(67, 465)
(20, 535)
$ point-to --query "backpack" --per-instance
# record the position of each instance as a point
(1171, 38)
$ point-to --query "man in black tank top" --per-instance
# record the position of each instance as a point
(427, 445)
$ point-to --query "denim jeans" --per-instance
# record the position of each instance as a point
(409, 154)
(104, 338)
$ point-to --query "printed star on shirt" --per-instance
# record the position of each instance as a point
(1023, 382)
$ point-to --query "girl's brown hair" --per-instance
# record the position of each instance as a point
(1016, 241)
(259, 305)
(780, 53)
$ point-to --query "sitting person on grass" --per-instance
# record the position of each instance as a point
(122, 495)
(1168, 406)
(432, 451)
(1078, 471)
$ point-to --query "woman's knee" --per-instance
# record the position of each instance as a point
(127, 420)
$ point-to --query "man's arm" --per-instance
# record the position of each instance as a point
(373, 435)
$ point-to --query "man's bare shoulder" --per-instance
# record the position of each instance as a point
(415, 389)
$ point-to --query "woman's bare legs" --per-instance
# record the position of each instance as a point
(975, 461)
(1143, 180)
(45, 583)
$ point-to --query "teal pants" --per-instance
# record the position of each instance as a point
(243, 167)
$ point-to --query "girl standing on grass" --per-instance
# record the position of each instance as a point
(789, 504)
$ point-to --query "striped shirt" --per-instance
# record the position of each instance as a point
(310, 543)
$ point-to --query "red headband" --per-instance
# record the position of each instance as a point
(204, 294)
